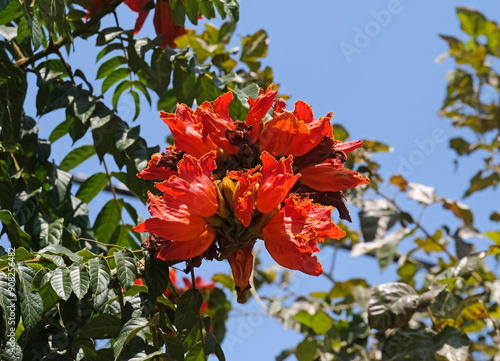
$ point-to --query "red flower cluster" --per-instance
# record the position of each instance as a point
(163, 20)
(228, 183)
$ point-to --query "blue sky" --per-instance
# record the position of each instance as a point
(382, 85)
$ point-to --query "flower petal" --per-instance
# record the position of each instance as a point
(277, 180)
(331, 176)
(291, 236)
(245, 197)
(258, 110)
(193, 188)
(347, 147)
(140, 21)
(216, 121)
(188, 249)
(164, 24)
(187, 129)
(285, 134)
(171, 220)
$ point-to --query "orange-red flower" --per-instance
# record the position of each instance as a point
(137, 6)
(294, 133)
(277, 180)
(291, 236)
(263, 190)
(258, 110)
(187, 130)
(216, 121)
(331, 176)
(179, 215)
(164, 24)
(245, 197)
(219, 210)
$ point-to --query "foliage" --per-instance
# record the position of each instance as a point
(74, 283)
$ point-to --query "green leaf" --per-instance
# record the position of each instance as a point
(493, 235)
(20, 254)
(188, 309)
(206, 9)
(17, 236)
(174, 347)
(48, 233)
(229, 7)
(137, 102)
(206, 89)
(307, 350)
(100, 276)
(92, 186)
(321, 323)
(31, 301)
(84, 106)
(196, 353)
(104, 326)
(460, 210)
(3, 4)
(7, 300)
(424, 344)
(108, 49)
(495, 217)
(108, 220)
(10, 12)
(122, 237)
(184, 84)
(142, 88)
(254, 47)
(109, 66)
(124, 85)
(478, 183)
(113, 78)
(391, 305)
(225, 280)
(192, 11)
(460, 146)
(107, 35)
(79, 280)
(61, 282)
(76, 157)
(339, 132)
(156, 273)
(126, 268)
(36, 33)
(25, 206)
(125, 136)
(471, 20)
(60, 130)
(129, 331)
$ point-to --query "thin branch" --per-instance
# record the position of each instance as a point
(418, 224)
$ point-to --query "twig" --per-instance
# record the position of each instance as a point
(418, 224)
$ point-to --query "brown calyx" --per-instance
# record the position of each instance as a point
(323, 151)
(335, 199)
(169, 159)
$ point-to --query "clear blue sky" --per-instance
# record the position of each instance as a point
(388, 88)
